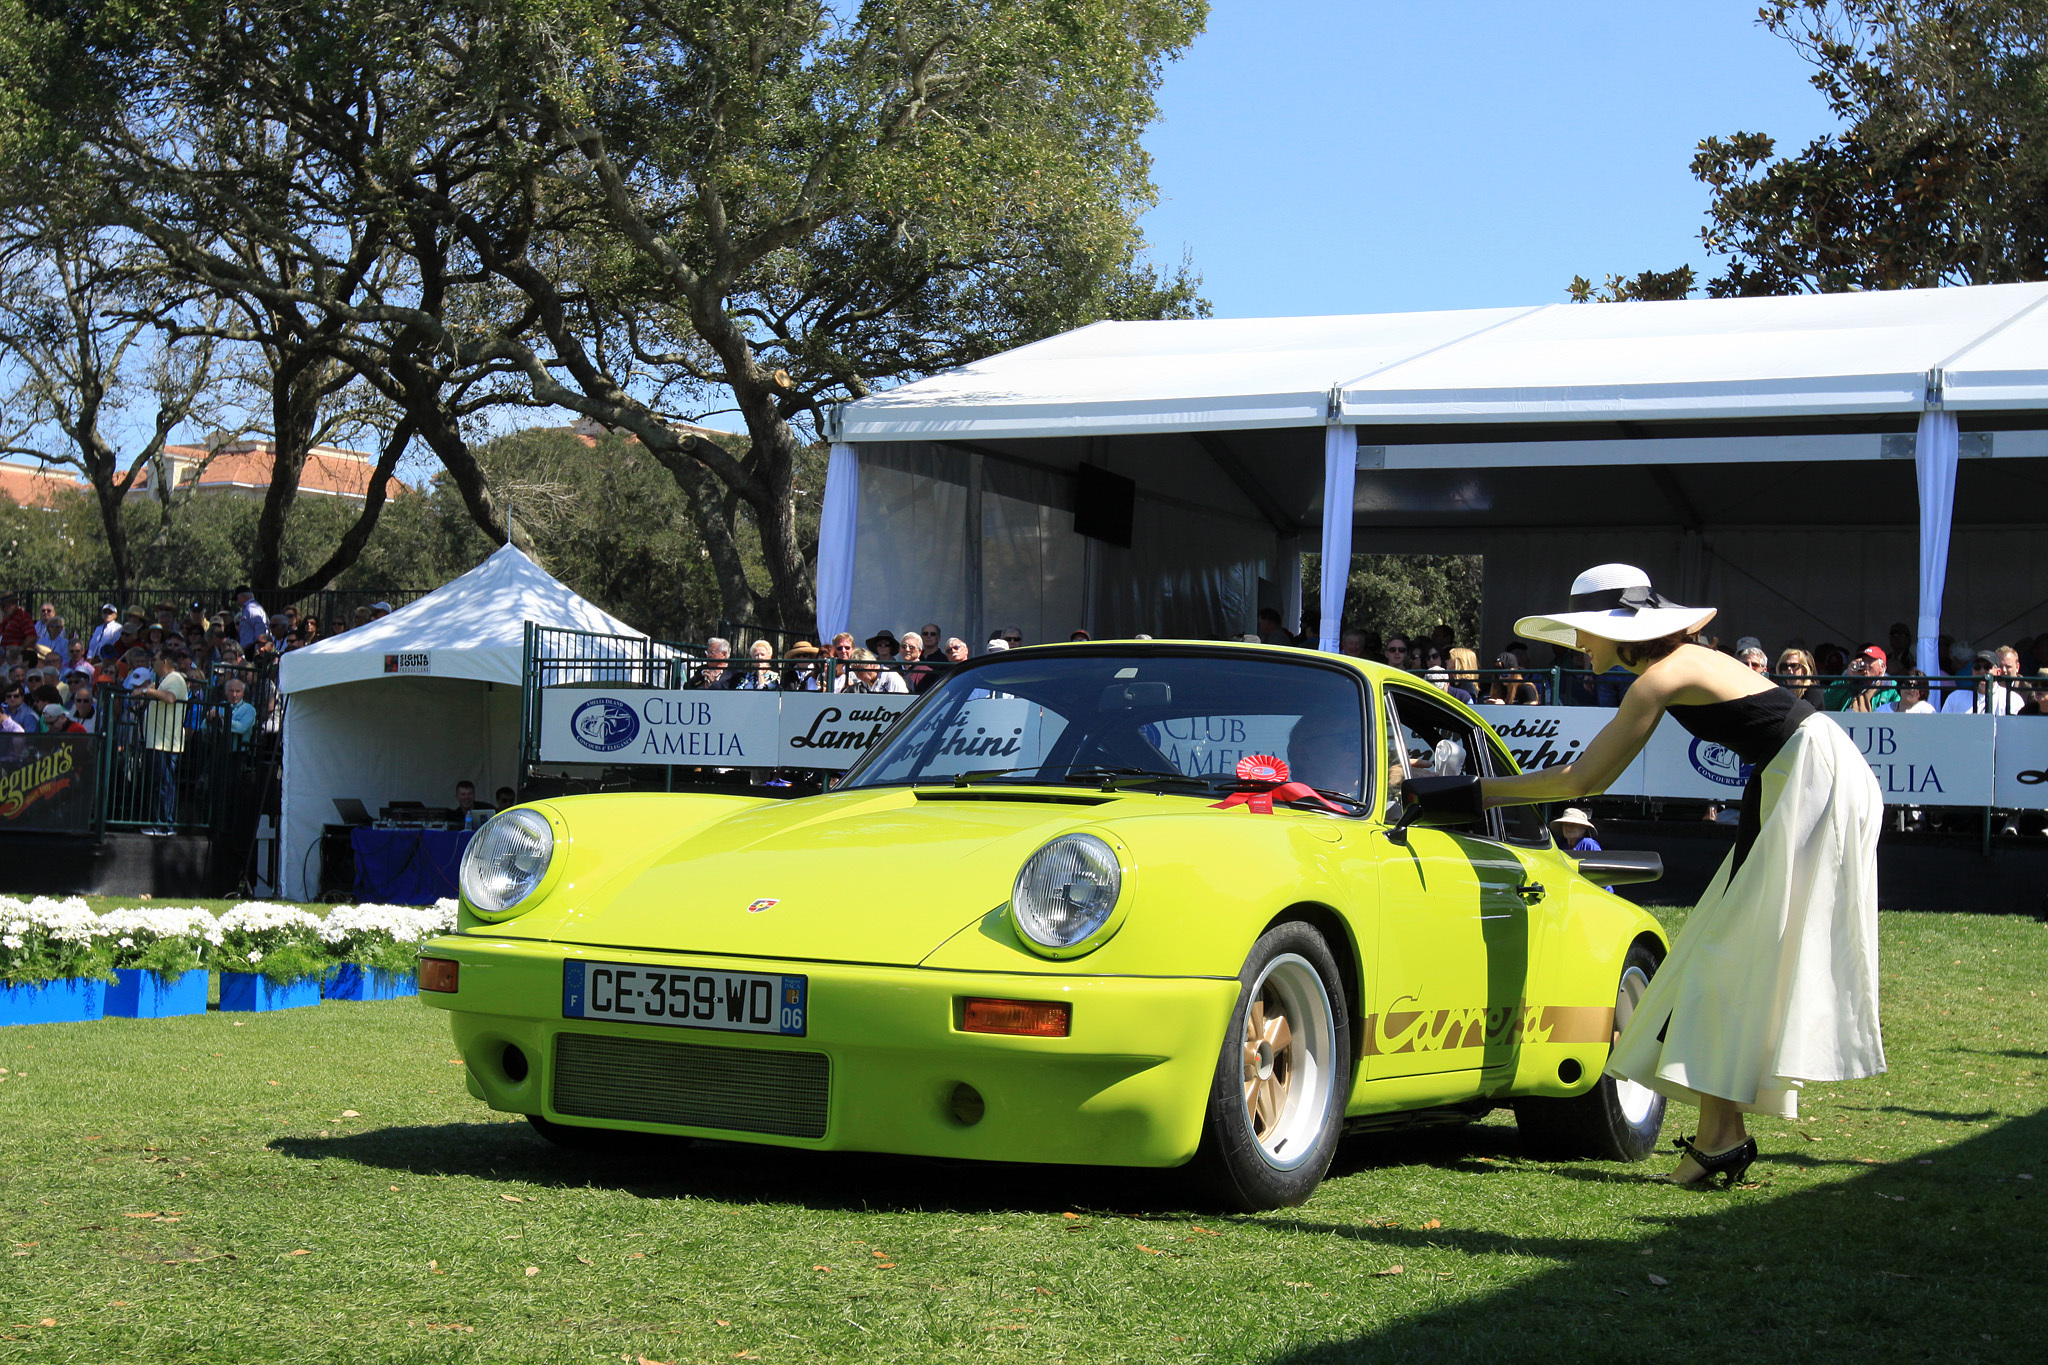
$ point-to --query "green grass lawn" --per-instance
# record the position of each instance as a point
(318, 1185)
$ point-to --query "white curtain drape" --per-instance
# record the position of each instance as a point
(1340, 478)
(1935, 448)
(836, 524)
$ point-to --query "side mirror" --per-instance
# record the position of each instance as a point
(1441, 802)
(1619, 869)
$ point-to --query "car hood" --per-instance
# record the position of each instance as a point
(879, 877)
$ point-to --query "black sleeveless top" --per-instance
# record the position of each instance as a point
(1755, 728)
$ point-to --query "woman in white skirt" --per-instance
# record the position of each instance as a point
(1773, 980)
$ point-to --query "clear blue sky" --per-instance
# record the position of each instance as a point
(1358, 156)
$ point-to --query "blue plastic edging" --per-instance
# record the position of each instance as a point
(351, 981)
(140, 994)
(253, 992)
(70, 1001)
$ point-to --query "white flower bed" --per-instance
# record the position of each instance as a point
(44, 939)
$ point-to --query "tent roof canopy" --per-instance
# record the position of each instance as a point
(1818, 356)
(473, 628)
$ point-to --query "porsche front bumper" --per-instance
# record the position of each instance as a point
(879, 1068)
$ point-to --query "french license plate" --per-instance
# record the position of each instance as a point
(731, 1002)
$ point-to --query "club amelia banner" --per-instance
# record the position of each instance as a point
(1918, 760)
(713, 729)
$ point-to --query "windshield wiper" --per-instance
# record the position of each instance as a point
(1107, 774)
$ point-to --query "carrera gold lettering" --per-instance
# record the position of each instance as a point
(1409, 1031)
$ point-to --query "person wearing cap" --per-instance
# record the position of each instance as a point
(1864, 686)
(1574, 831)
(1772, 982)
(1986, 696)
(56, 721)
(109, 628)
(802, 658)
(379, 610)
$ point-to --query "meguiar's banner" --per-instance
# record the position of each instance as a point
(46, 783)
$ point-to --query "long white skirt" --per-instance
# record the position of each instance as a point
(1773, 979)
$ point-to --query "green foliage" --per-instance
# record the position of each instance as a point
(1404, 594)
(1939, 174)
(167, 940)
(608, 520)
(630, 210)
(51, 940)
(50, 546)
(1649, 286)
(283, 943)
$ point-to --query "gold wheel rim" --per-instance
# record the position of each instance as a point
(1268, 1063)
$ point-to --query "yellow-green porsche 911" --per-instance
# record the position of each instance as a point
(1141, 904)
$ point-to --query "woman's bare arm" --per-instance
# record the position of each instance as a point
(1596, 767)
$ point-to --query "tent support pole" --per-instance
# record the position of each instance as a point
(1340, 484)
(1936, 447)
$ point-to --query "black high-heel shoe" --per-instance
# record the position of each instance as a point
(1730, 1165)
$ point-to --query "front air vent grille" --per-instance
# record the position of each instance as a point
(652, 1080)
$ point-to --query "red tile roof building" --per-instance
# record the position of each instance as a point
(29, 487)
(243, 467)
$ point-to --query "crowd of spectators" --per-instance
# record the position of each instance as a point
(2008, 679)
(886, 662)
(1866, 677)
(161, 684)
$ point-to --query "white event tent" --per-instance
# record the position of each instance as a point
(1816, 466)
(407, 706)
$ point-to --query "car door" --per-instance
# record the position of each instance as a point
(1451, 927)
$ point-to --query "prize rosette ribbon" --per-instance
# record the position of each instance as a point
(1265, 781)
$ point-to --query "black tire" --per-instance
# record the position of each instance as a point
(1275, 1115)
(1615, 1120)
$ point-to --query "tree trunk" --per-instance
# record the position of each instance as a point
(295, 392)
(350, 548)
(420, 390)
(702, 489)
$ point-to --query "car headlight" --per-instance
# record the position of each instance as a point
(1065, 894)
(506, 860)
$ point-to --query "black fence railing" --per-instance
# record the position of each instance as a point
(195, 768)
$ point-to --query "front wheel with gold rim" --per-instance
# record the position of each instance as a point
(1276, 1108)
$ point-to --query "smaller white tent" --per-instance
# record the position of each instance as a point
(407, 706)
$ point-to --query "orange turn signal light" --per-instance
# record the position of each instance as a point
(438, 973)
(1026, 1018)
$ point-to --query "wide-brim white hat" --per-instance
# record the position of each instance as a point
(1614, 602)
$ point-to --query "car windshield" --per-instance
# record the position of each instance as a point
(1086, 716)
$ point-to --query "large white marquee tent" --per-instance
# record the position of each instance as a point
(407, 706)
(1816, 466)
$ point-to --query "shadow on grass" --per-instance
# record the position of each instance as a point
(669, 1168)
(742, 1173)
(1903, 1262)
